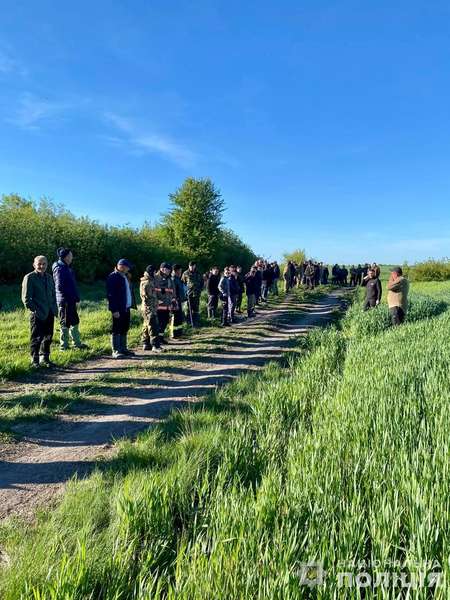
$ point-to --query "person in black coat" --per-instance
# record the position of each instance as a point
(67, 297)
(212, 287)
(373, 290)
(120, 301)
(251, 289)
(234, 293)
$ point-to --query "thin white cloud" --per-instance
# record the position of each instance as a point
(33, 111)
(10, 65)
(147, 141)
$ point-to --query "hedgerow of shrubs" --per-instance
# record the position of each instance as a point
(28, 229)
(430, 270)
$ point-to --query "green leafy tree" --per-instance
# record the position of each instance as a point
(298, 256)
(194, 224)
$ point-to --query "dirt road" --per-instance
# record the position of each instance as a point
(35, 469)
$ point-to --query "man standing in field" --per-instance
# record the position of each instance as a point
(193, 281)
(398, 287)
(373, 290)
(120, 301)
(165, 293)
(67, 297)
(309, 275)
(150, 330)
(39, 297)
(224, 291)
(180, 297)
(250, 290)
(212, 287)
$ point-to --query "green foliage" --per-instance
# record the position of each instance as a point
(430, 270)
(194, 223)
(298, 256)
(28, 229)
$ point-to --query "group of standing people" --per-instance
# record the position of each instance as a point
(397, 296)
(169, 296)
(309, 273)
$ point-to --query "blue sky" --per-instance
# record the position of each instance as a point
(326, 125)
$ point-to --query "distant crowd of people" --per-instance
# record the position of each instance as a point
(170, 296)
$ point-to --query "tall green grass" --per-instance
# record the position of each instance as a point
(339, 456)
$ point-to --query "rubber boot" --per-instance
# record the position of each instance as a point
(124, 346)
(64, 338)
(76, 338)
(115, 345)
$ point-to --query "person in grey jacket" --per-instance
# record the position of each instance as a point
(224, 293)
(39, 297)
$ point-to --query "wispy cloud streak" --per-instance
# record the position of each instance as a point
(151, 142)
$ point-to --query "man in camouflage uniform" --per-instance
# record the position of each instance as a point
(165, 295)
(150, 330)
(193, 281)
(309, 275)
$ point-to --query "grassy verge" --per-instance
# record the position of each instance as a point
(340, 456)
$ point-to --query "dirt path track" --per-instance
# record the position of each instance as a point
(32, 471)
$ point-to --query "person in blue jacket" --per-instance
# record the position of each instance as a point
(120, 301)
(67, 298)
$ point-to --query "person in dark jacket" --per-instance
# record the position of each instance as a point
(234, 293)
(276, 277)
(258, 281)
(224, 293)
(325, 275)
(39, 297)
(373, 289)
(267, 278)
(120, 302)
(212, 287)
(193, 281)
(67, 298)
(240, 281)
(250, 290)
(180, 297)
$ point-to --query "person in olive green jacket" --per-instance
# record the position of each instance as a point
(397, 298)
(39, 297)
(194, 283)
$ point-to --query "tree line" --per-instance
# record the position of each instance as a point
(191, 230)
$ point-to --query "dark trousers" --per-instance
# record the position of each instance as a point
(225, 310)
(121, 325)
(194, 302)
(397, 315)
(251, 301)
(310, 282)
(68, 315)
(232, 306)
(163, 320)
(150, 330)
(239, 302)
(369, 303)
(177, 323)
(213, 301)
(41, 335)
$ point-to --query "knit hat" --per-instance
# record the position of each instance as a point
(63, 252)
(150, 269)
(125, 263)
